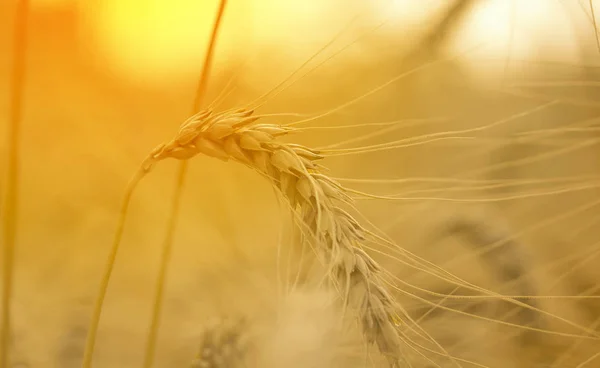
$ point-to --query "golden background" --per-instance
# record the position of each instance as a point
(107, 80)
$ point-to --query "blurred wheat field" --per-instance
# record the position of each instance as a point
(479, 117)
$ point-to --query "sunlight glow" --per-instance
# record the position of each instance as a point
(151, 38)
(159, 39)
(164, 39)
(519, 30)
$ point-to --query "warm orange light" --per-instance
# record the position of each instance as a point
(167, 38)
(151, 39)
(52, 3)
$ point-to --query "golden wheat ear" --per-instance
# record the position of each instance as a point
(317, 201)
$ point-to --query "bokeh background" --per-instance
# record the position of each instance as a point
(107, 80)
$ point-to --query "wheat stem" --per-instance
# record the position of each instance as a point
(10, 209)
(97, 312)
(150, 351)
(162, 273)
(209, 57)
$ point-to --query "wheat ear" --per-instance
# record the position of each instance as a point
(9, 209)
(316, 199)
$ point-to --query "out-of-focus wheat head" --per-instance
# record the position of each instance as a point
(301, 330)
(222, 345)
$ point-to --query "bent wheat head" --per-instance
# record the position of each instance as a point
(314, 197)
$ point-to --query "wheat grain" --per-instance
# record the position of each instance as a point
(312, 195)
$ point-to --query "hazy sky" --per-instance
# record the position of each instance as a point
(147, 39)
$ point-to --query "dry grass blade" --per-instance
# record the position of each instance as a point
(313, 196)
(10, 207)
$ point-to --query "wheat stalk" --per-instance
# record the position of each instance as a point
(168, 241)
(9, 203)
(316, 199)
(173, 214)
